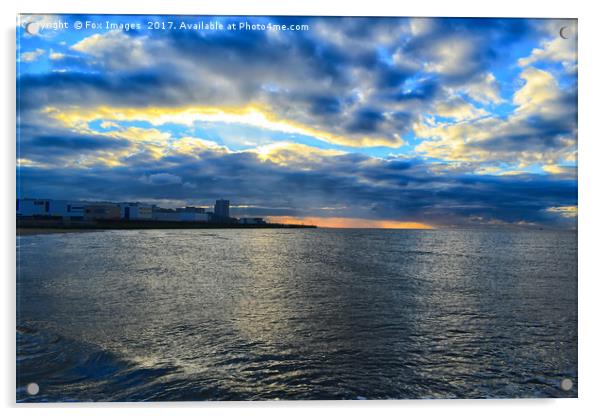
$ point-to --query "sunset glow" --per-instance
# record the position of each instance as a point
(334, 222)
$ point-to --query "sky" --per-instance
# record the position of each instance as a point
(343, 122)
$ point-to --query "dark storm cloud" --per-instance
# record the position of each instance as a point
(405, 190)
(389, 77)
(35, 91)
(234, 68)
(46, 144)
(77, 143)
(366, 120)
(485, 39)
(539, 140)
(424, 92)
(325, 104)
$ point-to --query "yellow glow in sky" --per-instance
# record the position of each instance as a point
(343, 222)
(252, 115)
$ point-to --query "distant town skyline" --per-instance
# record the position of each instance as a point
(359, 122)
(65, 212)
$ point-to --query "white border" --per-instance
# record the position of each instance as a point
(590, 138)
(507, 8)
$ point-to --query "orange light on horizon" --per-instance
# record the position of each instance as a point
(344, 222)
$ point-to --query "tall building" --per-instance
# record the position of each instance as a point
(222, 208)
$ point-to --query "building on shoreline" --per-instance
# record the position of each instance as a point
(192, 214)
(46, 209)
(221, 209)
(102, 212)
(72, 210)
(135, 211)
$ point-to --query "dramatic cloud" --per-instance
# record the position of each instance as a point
(115, 50)
(382, 121)
(541, 129)
(292, 181)
(163, 179)
(556, 48)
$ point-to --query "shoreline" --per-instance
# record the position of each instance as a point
(36, 231)
(25, 228)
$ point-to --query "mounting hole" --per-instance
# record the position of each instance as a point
(32, 28)
(33, 389)
(566, 384)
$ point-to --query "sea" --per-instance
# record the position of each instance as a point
(296, 314)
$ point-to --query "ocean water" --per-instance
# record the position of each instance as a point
(265, 314)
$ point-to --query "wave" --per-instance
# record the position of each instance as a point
(68, 370)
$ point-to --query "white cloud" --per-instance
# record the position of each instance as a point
(108, 124)
(559, 170)
(55, 56)
(539, 94)
(452, 56)
(420, 26)
(150, 135)
(115, 49)
(555, 48)
(515, 139)
(32, 56)
(286, 154)
(458, 109)
(569, 211)
(484, 90)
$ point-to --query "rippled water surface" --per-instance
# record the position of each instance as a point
(296, 314)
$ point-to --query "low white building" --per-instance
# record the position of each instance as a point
(164, 214)
(193, 214)
(29, 207)
(68, 209)
(135, 211)
(79, 210)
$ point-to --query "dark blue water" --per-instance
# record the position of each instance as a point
(296, 314)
